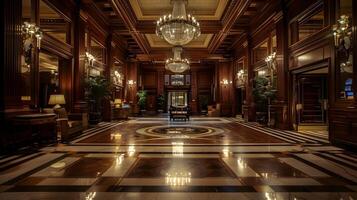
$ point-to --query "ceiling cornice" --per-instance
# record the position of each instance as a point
(123, 9)
(234, 11)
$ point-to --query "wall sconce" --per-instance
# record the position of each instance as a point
(131, 82)
(225, 82)
(342, 31)
(262, 73)
(271, 60)
(241, 77)
(342, 34)
(118, 78)
(29, 30)
(90, 58)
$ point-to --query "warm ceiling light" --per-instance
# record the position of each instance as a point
(177, 64)
(178, 28)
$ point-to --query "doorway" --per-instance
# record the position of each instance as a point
(177, 98)
(312, 101)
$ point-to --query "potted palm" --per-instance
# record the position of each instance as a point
(98, 89)
(160, 101)
(263, 94)
(142, 96)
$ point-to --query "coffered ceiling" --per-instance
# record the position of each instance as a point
(201, 42)
(201, 9)
(223, 23)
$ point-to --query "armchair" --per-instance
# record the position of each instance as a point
(70, 124)
(214, 111)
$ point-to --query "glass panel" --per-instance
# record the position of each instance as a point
(26, 82)
(344, 55)
(311, 25)
(52, 23)
(260, 52)
(179, 98)
(49, 79)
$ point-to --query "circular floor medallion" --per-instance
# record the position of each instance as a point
(179, 131)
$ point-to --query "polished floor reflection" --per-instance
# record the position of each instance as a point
(206, 158)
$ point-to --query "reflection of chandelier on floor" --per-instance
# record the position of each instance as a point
(178, 28)
(177, 64)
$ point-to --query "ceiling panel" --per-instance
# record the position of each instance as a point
(201, 9)
(201, 42)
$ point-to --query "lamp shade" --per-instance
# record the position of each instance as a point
(57, 99)
(117, 101)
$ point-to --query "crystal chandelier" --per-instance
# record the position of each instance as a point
(177, 64)
(178, 28)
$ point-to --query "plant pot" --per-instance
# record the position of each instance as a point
(262, 117)
(142, 112)
(160, 111)
(94, 118)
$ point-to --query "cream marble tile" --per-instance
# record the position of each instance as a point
(68, 181)
(53, 171)
(240, 168)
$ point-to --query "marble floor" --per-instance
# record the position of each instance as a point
(205, 158)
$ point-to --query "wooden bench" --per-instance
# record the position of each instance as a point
(179, 113)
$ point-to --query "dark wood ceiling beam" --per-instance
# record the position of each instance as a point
(234, 11)
(148, 27)
(123, 10)
(193, 54)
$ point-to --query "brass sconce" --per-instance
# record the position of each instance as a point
(271, 63)
(90, 58)
(29, 31)
(241, 77)
(342, 34)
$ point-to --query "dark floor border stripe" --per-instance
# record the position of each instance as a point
(3, 168)
(337, 161)
(331, 173)
(311, 188)
(22, 176)
(279, 133)
(181, 189)
(45, 188)
(280, 137)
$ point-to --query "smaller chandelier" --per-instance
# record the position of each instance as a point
(177, 64)
(178, 28)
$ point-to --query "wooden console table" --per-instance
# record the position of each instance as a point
(36, 127)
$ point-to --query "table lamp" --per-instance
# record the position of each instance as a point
(57, 100)
(117, 103)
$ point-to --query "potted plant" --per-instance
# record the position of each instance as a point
(160, 101)
(263, 94)
(142, 96)
(98, 89)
